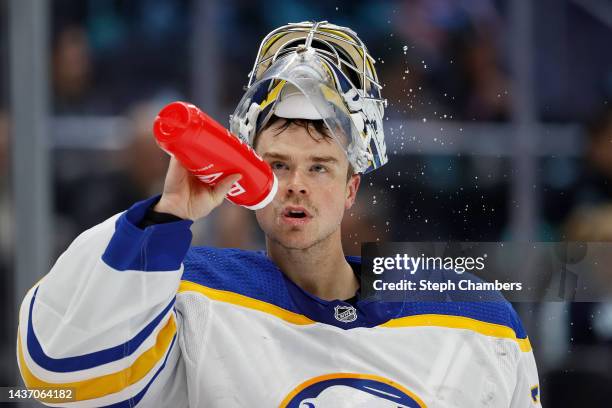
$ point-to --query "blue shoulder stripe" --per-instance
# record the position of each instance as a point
(90, 360)
(160, 247)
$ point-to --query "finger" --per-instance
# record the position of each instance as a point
(175, 167)
(174, 176)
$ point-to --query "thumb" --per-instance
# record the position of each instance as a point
(224, 186)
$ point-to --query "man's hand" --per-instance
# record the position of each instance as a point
(187, 197)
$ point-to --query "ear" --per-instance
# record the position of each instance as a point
(351, 190)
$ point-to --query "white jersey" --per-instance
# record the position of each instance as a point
(130, 317)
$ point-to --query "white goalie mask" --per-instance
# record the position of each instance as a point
(317, 71)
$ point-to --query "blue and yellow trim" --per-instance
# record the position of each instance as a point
(460, 322)
(421, 320)
(90, 360)
(245, 301)
(111, 383)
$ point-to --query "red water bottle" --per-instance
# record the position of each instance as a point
(211, 153)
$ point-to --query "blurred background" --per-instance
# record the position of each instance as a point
(499, 127)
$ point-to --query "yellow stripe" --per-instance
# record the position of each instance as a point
(111, 383)
(245, 301)
(347, 37)
(460, 322)
(326, 377)
(271, 42)
(457, 322)
(272, 95)
(277, 36)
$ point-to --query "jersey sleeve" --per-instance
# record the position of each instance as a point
(527, 389)
(102, 322)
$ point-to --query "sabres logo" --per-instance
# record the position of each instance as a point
(345, 314)
(349, 390)
(535, 394)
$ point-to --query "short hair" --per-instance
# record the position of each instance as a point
(308, 124)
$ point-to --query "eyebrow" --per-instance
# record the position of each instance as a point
(274, 155)
(324, 159)
(318, 159)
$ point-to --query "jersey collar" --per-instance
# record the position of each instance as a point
(339, 313)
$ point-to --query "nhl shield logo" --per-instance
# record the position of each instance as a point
(345, 314)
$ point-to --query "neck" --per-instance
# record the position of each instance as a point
(321, 270)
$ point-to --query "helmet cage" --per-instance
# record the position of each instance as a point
(348, 82)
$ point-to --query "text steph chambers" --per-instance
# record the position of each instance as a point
(465, 284)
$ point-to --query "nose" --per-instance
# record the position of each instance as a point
(296, 184)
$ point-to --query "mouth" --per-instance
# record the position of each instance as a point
(295, 215)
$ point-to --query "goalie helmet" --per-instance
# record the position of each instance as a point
(317, 70)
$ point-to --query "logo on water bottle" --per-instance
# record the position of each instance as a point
(209, 178)
(236, 189)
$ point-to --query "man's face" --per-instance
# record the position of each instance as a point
(313, 191)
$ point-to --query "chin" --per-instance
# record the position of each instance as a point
(295, 242)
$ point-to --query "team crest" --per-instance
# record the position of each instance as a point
(349, 390)
(345, 314)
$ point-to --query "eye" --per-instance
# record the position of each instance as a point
(319, 168)
(278, 165)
